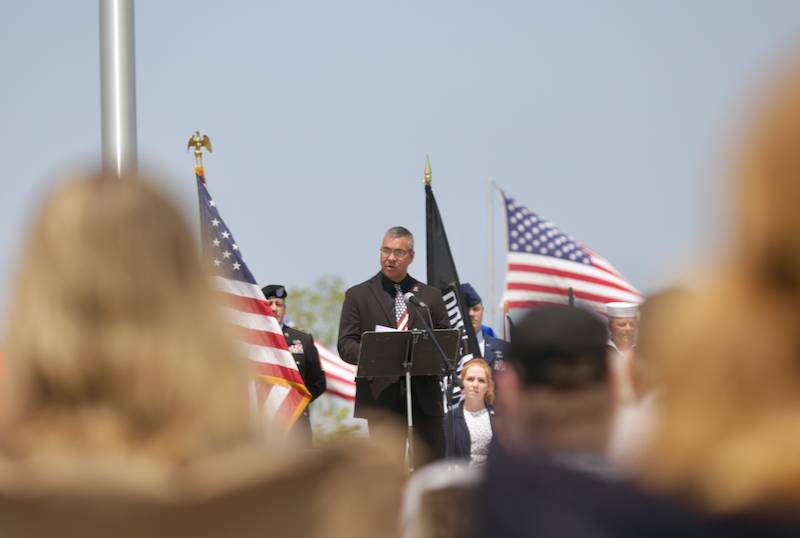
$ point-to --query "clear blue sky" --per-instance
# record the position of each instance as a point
(612, 119)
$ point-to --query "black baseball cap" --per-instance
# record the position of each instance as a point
(560, 347)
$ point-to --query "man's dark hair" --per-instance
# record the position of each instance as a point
(560, 347)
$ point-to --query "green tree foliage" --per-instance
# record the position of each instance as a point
(332, 420)
(316, 309)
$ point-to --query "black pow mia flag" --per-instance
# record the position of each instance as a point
(442, 274)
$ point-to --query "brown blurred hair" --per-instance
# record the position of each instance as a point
(115, 341)
(729, 360)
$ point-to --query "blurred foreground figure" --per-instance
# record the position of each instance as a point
(559, 402)
(125, 409)
(729, 363)
(550, 476)
(114, 336)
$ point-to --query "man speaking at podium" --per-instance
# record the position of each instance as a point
(379, 302)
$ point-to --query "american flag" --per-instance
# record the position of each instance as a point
(277, 390)
(340, 377)
(544, 263)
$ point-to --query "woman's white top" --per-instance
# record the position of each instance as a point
(480, 434)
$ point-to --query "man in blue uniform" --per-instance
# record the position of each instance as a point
(493, 350)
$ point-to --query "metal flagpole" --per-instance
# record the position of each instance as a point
(492, 308)
(494, 190)
(118, 86)
(506, 323)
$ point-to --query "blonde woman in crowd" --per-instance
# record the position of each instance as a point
(114, 337)
(124, 404)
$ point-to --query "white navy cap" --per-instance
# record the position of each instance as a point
(622, 310)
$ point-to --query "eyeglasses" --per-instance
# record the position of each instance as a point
(399, 253)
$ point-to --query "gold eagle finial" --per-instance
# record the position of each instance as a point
(199, 142)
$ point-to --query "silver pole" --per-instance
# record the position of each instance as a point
(118, 86)
(492, 306)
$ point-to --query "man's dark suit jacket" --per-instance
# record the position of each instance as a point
(367, 305)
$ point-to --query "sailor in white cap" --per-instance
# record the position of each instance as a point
(623, 326)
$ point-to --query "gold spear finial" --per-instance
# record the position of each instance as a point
(199, 142)
(428, 175)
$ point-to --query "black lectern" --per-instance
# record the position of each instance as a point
(396, 354)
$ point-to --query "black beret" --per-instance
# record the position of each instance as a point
(274, 290)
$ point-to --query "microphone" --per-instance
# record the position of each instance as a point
(410, 298)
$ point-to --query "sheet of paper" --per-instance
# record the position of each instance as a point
(384, 329)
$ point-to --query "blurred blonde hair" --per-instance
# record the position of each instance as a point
(489, 397)
(729, 361)
(115, 342)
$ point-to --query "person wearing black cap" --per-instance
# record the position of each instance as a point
(493, 350)
(548, 475)
(556, 397)
(301, 346)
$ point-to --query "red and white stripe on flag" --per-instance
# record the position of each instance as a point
(278, 390)
(340, 377)
(544, 263)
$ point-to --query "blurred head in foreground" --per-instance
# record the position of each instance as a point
(729, 360)
(556, 397)
(655, 310)
(115, 343)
